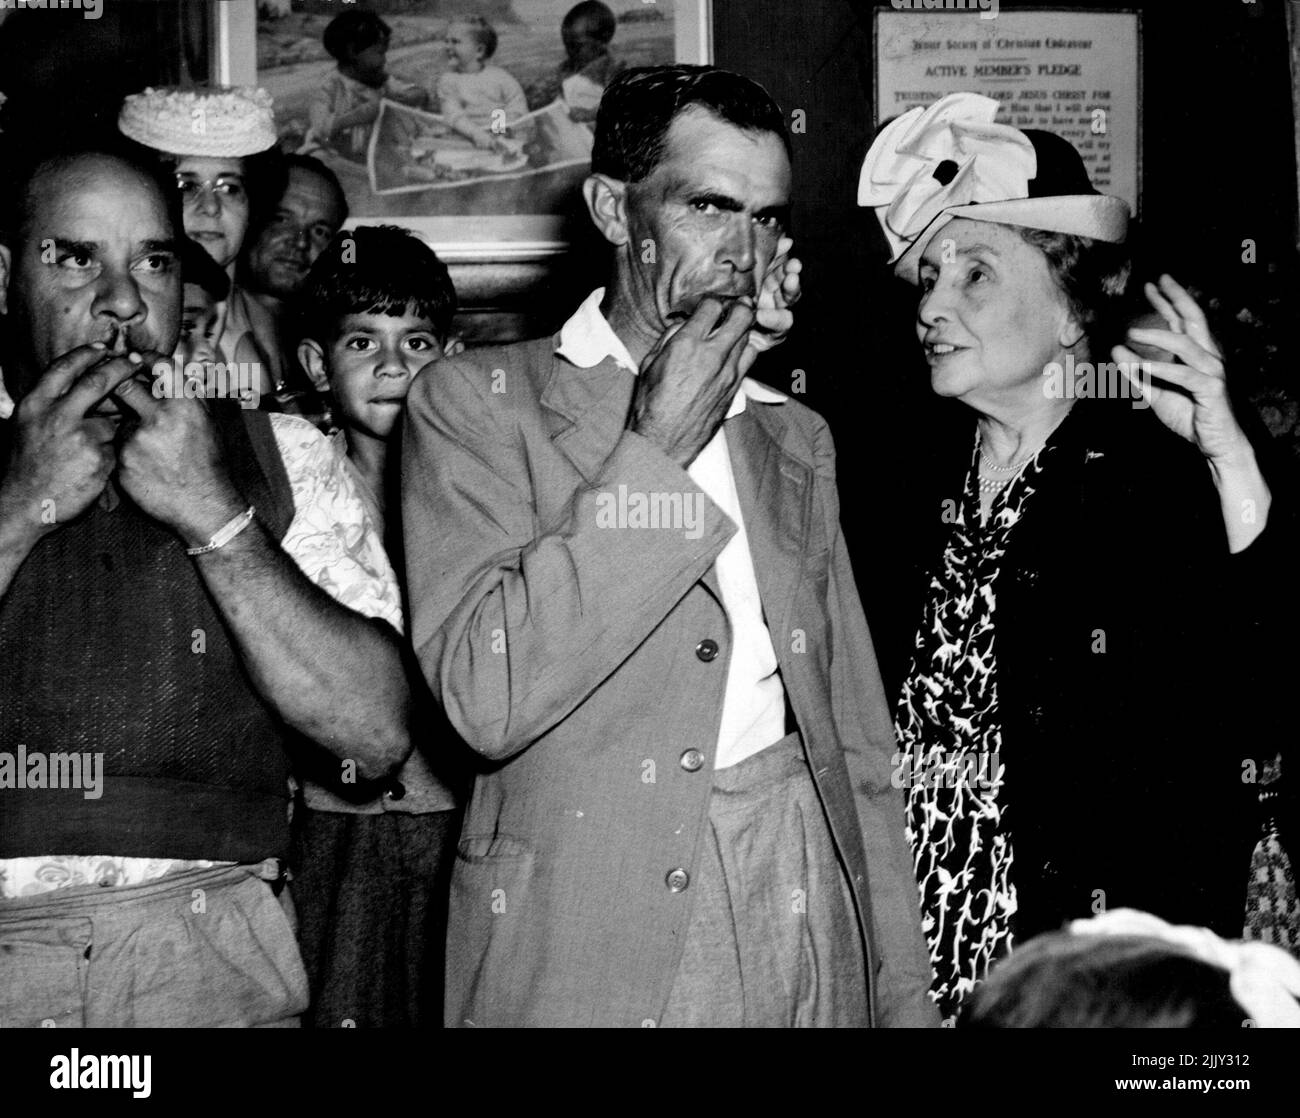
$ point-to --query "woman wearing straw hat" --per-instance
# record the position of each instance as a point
(222, 146)
(1073, 729)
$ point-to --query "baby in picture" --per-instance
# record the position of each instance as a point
(477, 99)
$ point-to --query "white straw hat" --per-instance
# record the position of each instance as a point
(218, 122)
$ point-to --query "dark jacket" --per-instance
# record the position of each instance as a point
(1139, 666)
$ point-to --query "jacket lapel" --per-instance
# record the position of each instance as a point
(587, 410)
(774, 488)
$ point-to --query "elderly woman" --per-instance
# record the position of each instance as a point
(221, 144)
(1079, 569)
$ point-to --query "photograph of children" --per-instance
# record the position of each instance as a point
(447, 108)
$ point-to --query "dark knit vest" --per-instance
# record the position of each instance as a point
(110, 643)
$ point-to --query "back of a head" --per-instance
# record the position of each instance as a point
(376, 269)
(1065, 981)
(639, 106)
(349, 33)
(595, 16)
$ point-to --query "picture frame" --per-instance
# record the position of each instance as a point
(478, 238)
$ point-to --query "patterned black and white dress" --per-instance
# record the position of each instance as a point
(950, 735)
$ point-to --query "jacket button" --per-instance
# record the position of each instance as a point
(677, 880)
(692, 760)
(707, 650)
(396, 790)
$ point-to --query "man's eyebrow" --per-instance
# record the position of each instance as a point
(716, 198)
(726, 202)
(166, 245)
(76, 248)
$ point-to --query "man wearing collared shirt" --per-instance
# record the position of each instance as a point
(629, 589)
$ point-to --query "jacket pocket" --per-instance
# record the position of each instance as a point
(489, 970)
(491, 848)
(42, 973)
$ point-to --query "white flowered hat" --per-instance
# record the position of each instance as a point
(952, 160)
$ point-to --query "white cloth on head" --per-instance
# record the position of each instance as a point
(994, 163)
(1264, 979)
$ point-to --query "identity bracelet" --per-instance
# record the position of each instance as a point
(227, 532)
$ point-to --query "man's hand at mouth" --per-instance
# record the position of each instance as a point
(171, 464)
(688, 380)
(62, 453)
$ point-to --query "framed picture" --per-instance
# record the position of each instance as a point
(480, 133)
(1076, 72)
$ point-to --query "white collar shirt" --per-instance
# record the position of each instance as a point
(753, 707)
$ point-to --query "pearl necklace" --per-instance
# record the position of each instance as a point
(996, 484)
(992, 484)
(1012, 471)
(1014, 467)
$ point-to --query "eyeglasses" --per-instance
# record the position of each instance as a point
(224, 188)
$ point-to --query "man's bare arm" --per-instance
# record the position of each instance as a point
(330, 673)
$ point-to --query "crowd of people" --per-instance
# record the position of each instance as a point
(532, 684)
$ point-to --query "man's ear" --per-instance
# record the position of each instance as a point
(311, 356)
(455, 344)
(5, 263)
(606, 200)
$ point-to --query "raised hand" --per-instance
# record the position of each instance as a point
(688, 380)
(171, 463)
(1194, 401)
(780, 291)
(61, 456)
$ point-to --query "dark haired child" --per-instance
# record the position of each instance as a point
(376, 307)
(589, 63)
(372, 864)
(345, 107)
